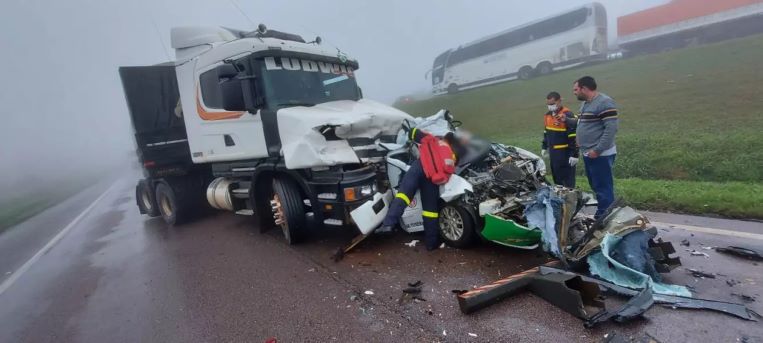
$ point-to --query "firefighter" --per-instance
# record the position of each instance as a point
(421, 177)
(559, 141)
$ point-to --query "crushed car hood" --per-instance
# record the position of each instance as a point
(305, 146)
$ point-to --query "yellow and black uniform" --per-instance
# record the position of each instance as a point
(559, 140)
(412, 181)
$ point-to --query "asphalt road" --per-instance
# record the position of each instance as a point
(92, 269)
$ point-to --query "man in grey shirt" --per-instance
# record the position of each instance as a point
(596, 129)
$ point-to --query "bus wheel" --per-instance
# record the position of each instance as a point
(452, 88)
(545, 68)
(525, 73)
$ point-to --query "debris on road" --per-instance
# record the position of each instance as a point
(418, 283)
(368, 292)
(685, 243)
(732, 282)
(700, 274)
(699, 253)
(745, 298)
(412, 243)
(472, 334)
(741, 252)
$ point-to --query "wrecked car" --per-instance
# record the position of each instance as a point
(485, 198)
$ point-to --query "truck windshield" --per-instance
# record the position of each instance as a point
(302, 82)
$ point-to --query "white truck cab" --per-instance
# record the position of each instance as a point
(259, 123)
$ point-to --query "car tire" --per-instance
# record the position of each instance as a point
(456, 226)
(146, 199)
(525, 73)
(452, 88)
(291, 210)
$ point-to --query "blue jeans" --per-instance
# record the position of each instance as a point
(599, 173)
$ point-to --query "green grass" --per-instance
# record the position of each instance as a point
(24, 205)
(729, 199)
(693, 114)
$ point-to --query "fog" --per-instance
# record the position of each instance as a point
(63, 108)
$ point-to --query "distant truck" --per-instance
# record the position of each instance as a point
(258, 123)
(682, 23)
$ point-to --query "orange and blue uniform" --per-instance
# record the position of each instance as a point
(559, 139)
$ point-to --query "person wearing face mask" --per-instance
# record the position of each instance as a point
(596, 129)
(559, 141)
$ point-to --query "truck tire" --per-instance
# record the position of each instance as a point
(146, 199)
(545, 68)
(456, 226)
(172, 211)
(291, 211)
(452, 88)
(525, 73)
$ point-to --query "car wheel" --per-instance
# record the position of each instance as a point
(456, 226)
(288, 210)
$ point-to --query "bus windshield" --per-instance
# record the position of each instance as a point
(302, 82)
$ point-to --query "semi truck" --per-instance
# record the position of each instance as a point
(681, 23)
(259, 123)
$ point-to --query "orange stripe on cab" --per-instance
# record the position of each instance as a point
(207, 115)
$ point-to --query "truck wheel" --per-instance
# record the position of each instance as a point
(452, 88)
(144, 196)
(456, 226)
(525, 73)
(171, 210)
(288, 210)
(545, 68)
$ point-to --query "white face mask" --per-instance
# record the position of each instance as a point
(552, 108)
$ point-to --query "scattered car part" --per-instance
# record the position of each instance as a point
(635, 307)
(700, 274)
(568, 292)
(670, 301)
(508, 232)
(741, 252)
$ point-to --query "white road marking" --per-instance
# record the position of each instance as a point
(738, 234)
(28, 264)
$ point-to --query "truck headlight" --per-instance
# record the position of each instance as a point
(358, 192)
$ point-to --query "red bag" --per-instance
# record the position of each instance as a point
(437, 159)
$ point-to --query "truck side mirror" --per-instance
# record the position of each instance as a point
(230, 88)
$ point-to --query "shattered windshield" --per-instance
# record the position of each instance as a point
(303, 82)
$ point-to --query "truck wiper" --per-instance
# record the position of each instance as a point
(295, 104)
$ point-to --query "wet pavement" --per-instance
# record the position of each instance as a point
(118, 276)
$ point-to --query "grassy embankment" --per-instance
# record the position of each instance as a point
(690, 136)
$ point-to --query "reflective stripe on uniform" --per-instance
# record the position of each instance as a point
(402, 195)
(551, 128)
(413, 133)
(561, 146)
(572, 135)
(427, 214)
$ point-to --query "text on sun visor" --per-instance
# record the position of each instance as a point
(288, 63)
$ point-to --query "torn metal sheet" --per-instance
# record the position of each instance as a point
(318, 136)
(620, 222)
(634, 308)
(673, 301)
(602, 264)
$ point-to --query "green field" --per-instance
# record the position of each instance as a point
(692, 115)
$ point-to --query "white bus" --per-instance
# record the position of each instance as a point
(539, 47)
